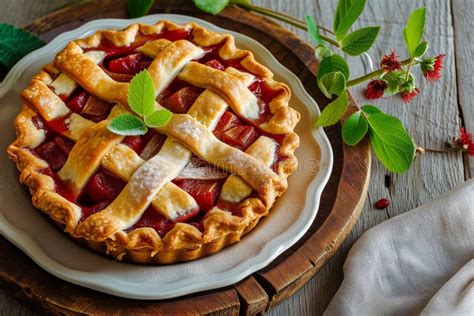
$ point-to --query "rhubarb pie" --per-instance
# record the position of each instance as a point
(181, 191)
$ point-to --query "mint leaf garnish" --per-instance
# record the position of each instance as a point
(15, 43)
(141, 94)
(354, 128)
(141, 99)
(413, 31)
(370, 109)
(138, 8)
(127, 124)
(391, 142)
(333, 63)
(332, 83)
(211, 6)
(334, 111)
(347, 13)
(158, 118)
(360, 41)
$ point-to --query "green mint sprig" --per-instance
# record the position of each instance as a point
(16, 43)
(141, 99)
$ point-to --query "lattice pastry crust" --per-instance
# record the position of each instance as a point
(257, 174)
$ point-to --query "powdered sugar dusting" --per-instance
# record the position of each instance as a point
(149, 178)
(188, 128)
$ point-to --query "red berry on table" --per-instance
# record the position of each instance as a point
(382, 203)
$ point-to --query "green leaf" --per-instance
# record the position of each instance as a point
(332, 83)
(421, 49)
(16, 43)
(413, 31)
(158, 118)
(354, 128)
(138, 8)
(141, 94)
(334, 111)
(360, 41)
(370, 109)
(347, 13)
(333, 63)
(313, 30)
(127, 124)
(211, 6)
(391, 142)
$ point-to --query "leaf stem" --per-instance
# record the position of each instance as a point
(422, 150)
(288, 19)
(372, 74)
(408, 68)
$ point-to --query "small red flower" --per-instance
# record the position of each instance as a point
(433, 73)
(465, 142)
(375, 89)
(390, 62)
(408, 96)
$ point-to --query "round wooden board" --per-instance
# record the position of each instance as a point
(341, 201)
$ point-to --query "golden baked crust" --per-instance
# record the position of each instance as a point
(191, 133)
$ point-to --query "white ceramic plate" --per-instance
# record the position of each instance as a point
(290, 218)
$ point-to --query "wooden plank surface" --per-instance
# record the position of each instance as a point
(431, 118)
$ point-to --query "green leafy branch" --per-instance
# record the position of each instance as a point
(141, 99)
(390, 140)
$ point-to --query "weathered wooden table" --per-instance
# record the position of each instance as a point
(432, 118)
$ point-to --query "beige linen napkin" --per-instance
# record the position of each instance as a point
(418, 262)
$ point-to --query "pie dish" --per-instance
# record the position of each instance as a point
(180, 192)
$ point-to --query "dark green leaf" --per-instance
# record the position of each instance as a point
(354, 128)
(16, 43)
(391, 142)
(334, 111)
(347, 13)
(313, 30)
(413, 31)
(333, 63)
(332, 83)
(158, 118)
(360, 41)
(370, 109)
(421, 49)
(141, 94)
(127, 124)
(138, 8)
(211, 6)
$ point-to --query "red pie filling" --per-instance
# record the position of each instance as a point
(121, 64)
